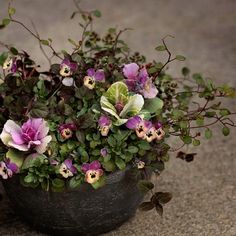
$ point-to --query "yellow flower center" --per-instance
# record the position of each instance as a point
(89, 82)
(66, 133)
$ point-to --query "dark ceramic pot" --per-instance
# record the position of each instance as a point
(83, 211)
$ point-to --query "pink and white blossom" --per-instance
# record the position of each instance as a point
(32, 135)
(138, 81)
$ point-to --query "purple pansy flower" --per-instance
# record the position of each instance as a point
(140, 164)
(104, 152)
(145, 129)
(160, 133)
(138, 80)
(104, 125)
(31, 135)
(67, 68)
(92, 77)
(92, 171)
(10, 65)
(133, 122)
(7, 169)
(67, 169)
(66, 130)
(139, 125)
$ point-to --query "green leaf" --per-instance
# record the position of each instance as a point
(185, 71)
(44, 42)
(118, 92)
(108, 107)
(84, 155)
(198, 78)
(183, 124)
(97, 13)
(180, 58)
(6, 21)
(146, 206)
(196, 142)
(16, 157)
(72, 42)
(133, 106)
(200, 120)
(3, 58)
(29, 178)
(133, 149)
(75, 182)
(144, 145)
(210, 113)
(224, 112)
(153, 104)
(14, 51)
(159, 209)
(160, 48)
(80, 136)
(162, 197)
(58, 185)
(145, 186)
(152, 70)
(120, 163)
(177, 114)
(187, 139)
(11, 11)
(109, 166)
(33, 160)
(225, 131)
(39, 110)
(100, 183)
(111, 141)
(208, 133)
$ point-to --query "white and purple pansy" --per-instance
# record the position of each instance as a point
(32, 135)
(138, 81)
(104, 125)
(67, 68)
(104, 152)
(92, 77)
(160, 133)
(145, 129)
(7, 169)
(140, 164)
(67, 169)
(66, 130)
(92, 171)
(10, 65)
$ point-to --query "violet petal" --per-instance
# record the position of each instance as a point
(133, 122)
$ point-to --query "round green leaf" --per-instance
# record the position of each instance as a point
(208, 133)
(225, 131)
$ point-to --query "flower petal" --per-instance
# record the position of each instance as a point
(20, 147)
(91, 72)
(95, 165)
(5, 137)
(68, 81)
(10, 126)
(99, 75)
(43, 146)
(150, 90)
(85, 167)
(133, 122)
(17, 137)
(131, 70)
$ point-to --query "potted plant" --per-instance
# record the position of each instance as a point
(80, 141)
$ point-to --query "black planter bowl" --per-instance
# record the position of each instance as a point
(83, 211)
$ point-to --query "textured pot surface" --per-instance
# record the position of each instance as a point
(83, 211)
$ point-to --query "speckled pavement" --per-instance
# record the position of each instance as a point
(204, 191)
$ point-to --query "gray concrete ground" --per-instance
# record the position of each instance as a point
(204, 202)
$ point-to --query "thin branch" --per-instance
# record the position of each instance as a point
(40, 45)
